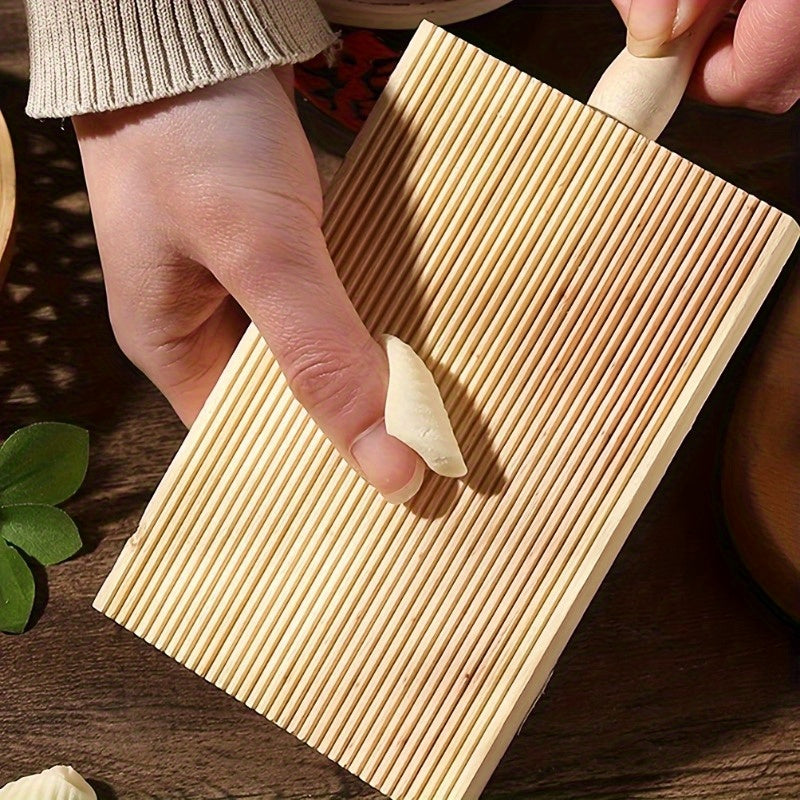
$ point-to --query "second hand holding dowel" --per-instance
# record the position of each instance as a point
(644, 91)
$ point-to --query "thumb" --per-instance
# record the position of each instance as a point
(653, 23)
(287, 284)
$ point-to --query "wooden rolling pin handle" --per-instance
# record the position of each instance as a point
(643, 92)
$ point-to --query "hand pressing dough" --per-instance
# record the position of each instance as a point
(415, 413)
(56, 783)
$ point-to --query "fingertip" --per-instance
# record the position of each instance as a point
(655, 24)
(650, 25)
(390, 466)
(408, 491)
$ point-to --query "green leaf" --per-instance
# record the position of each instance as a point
(43, 532)
(16, 590)
(43, 463)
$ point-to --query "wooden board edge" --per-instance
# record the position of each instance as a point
(184, 452)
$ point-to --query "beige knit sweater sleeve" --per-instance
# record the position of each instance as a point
(96, 55)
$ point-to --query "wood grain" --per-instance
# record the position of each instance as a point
(705, 700)
(578, 290)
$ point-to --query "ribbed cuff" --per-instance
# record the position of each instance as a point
(98, 55)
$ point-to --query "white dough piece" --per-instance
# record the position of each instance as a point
(56, 783)
(415, 413)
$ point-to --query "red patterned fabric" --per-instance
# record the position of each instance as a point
(347, 91)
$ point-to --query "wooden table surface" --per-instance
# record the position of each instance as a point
(678, 683)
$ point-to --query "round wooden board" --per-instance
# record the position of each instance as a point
(402, 14)
(7, 197)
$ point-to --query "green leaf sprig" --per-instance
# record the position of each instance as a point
(40, 466)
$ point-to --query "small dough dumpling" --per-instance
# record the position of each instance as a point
(415, 413)
(56, 783)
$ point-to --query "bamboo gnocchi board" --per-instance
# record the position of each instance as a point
(577, 290)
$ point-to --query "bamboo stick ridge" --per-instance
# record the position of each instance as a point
(577, 290)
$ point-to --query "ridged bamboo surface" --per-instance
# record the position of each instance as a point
(577, 290)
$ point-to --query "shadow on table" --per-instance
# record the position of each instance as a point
(42, 591)
(54, 327)
(58, 358)
(103, 790)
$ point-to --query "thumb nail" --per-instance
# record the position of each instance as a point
(652, 21)
(388, 464)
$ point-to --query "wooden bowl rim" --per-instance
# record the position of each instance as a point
(404, 15)
(7, 193)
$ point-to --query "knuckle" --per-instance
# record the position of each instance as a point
(128, 347)
(278, 243)
(323, 379)
(127, 341)
(135, 351)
